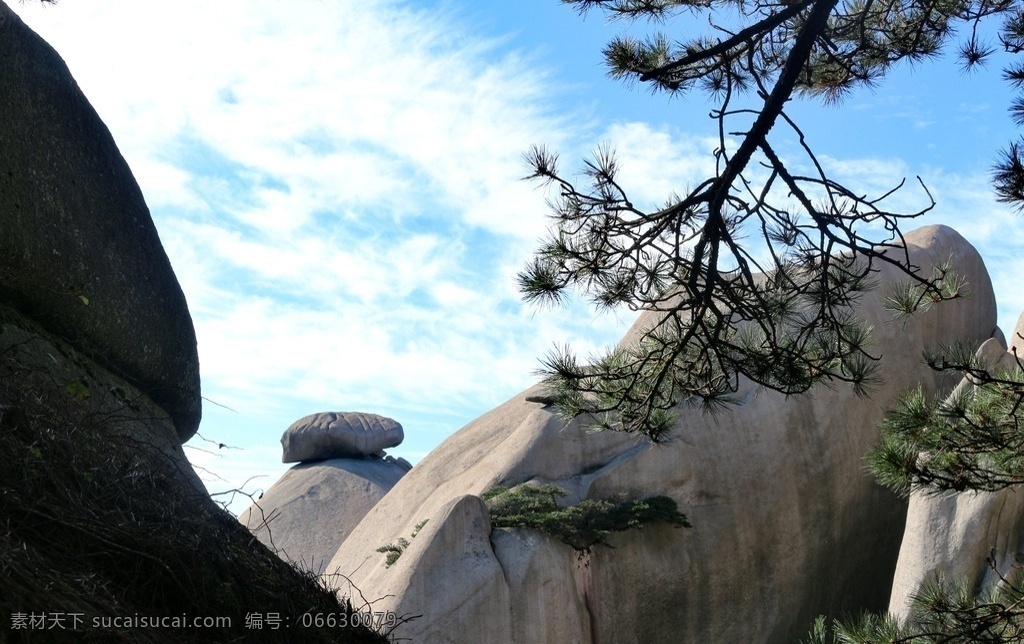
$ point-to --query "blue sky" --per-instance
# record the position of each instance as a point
(337, 186)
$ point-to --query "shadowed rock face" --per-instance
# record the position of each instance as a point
(786, 523)
(95, 487)
(128, 416)
(79, 253)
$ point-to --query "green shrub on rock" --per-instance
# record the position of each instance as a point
(581, 526)
(395, 550)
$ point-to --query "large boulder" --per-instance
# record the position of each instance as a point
(314, 506)
(968, 538)
(786, 524)
(339, 434)
(78, 250)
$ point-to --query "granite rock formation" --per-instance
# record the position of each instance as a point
(956, 536)
(103, 516)
(342, 473)
(786, 523)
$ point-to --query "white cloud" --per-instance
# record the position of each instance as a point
(656, 162)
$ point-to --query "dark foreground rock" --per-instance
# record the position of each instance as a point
(79, 253)
(101, 516)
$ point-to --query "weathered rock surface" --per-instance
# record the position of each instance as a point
(128, 415)
(79, 252)
(786, 524)
(954, 535)
(314, 506)
(339, 434)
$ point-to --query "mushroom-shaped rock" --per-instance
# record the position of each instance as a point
(339, 434)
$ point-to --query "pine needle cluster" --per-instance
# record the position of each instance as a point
(941, 612)
(971, 440)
